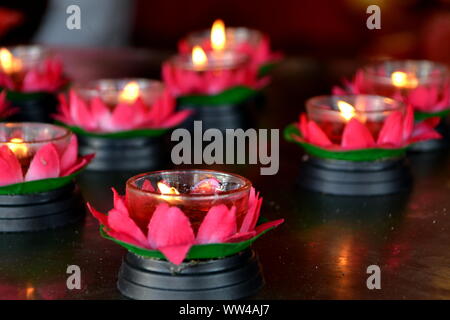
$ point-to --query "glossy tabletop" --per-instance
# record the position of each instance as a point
(323, 249)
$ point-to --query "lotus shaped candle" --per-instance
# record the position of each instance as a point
(250, 42)
(38, 163)
(423, 84)
(107, 106)
(34, 151)
(357, 143)
(30, 69)
(178, 213)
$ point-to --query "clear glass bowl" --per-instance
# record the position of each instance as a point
(234, 190)
(369, 109)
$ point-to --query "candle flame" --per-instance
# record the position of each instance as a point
(199, 57)
(218, 36)
(346, 109)
(404, 80)
(130, 92)
(18, 147)
(8, 62)
(164, 188)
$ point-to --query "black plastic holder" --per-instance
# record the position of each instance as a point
(222, 117)
(230, 278)
(434, 144)
(40, 211)
(124, 154)
(353, 178)
(35, 109)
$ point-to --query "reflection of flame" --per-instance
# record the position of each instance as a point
(346, 109)
(218, 37)
(404, 80)
(199, 57)
(8, 63)
(18, 147)
(29, 292)
(166, 189)
(130, 92)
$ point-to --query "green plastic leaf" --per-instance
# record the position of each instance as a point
(233, 95)
(197, 252)
(266, 69)
(38, 186)
(118, 135)
(17, 96)
(419, 116)
(369, 154)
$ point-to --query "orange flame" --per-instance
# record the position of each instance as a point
(164, 188)
(218, 35)
(199, 58)
(346, 109)
(18, 147)
(402, 79)
(8, 63)
(130, 92)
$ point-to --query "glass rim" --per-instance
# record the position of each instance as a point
(370, 69)
(184, 60)
(36, 50)
(245, 187)
(313, 102)
(93, 84)
(65, 131)
(206, 33)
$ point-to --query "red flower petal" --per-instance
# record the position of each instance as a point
(425, 130)
(392, 131)
(10, 169)
(252, 215)
(303, 126)
(271, 224)
(45, 164)
(356, 136)
(170, 232)
(317, 136)
(218, 225)
(102, 218)
(123, 228)
(119, 201)
(70, 155)
(408, 123)
(147, 186)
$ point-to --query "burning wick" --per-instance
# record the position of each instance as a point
(18, 147)
(8, 63)
(218, 36)
(165, 188)
(346, 109)
(130, 93)
(199, 58)
(402, 79)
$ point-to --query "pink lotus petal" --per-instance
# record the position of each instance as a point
(272, 224)
(147, 186)
(170, 232)
(45, 164)
(70, 155)
(408, 123)
(218, 225)
(356, 136)
(317, 136)
(102, 218)
(176, 119)
(123, 228)
(119, 201)
(81, 163)
(303, 126)
(424, 130)
(252, 215)
(10, 169)
(392, 131)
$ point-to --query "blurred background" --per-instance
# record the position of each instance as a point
(320, 28)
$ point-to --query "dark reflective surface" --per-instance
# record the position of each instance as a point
(321, 252)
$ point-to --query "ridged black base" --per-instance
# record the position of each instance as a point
(351, 178)
(35, 110)
(39, 211)
(235, 277)
(220, 117)
(143, 153)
